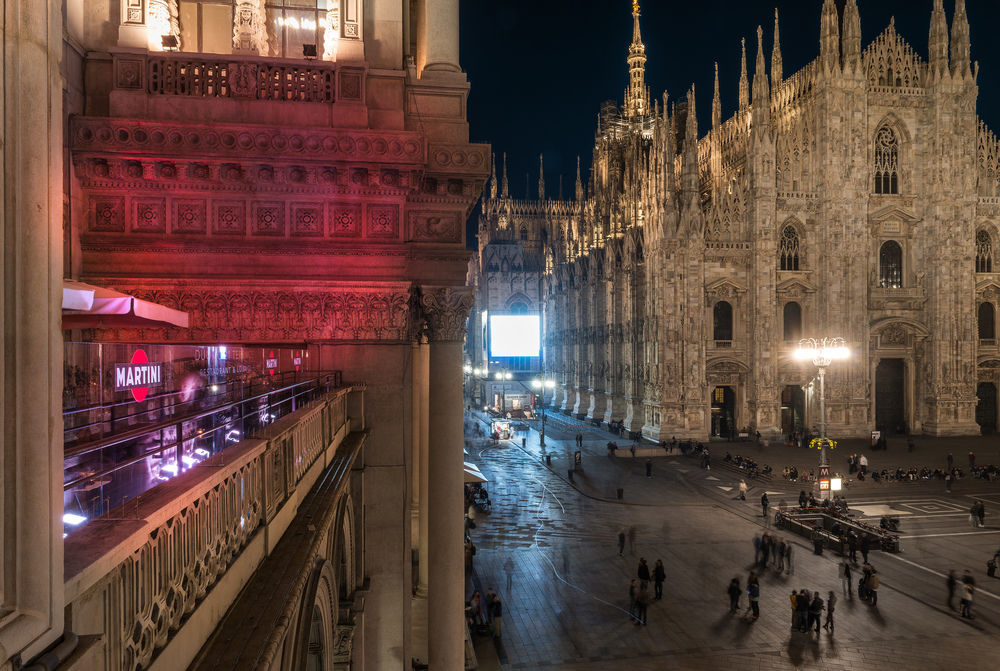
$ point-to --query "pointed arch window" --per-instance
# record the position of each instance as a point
(890, 265)
(984, 252)
(788, 249)
(886, 161)
(792, 322)
(524, 233)
(987, 321)
(722, 321)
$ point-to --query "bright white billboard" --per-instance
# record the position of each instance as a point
(515, 335)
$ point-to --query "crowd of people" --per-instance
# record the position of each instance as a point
(750, 466)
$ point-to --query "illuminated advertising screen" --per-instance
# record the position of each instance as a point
(515, 335)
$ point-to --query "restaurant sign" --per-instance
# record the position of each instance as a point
(138, 375)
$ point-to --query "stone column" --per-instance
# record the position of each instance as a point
(31, 425)
(421, 442)
(437, 37)
(446, 309)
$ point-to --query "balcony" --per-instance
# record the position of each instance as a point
(229, 87)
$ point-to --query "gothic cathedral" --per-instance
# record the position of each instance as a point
(858, 197)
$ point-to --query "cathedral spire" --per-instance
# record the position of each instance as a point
(937, 42)
(541, 178)
(504, 187)
(493, 175)
(744, 82)
(960, 41)
(716, 101)
(761, 92)
(579, 182)
(636, 96)
(850, 40)
(829, 37)
(689, 170)
(776, 70)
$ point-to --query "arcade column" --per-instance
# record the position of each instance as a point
(446, 310)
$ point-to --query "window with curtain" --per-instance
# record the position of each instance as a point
(722, 321)
(987, 321)
(886, 161)
(207, 25)
(792, 322)
(984, 252)
(788, 249)
(890, 265)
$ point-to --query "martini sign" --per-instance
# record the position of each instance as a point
(138, 375)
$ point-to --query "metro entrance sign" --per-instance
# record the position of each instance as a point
(824, 478)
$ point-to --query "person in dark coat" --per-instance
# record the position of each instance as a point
(764, 503)
(659, 575)
(734, 595)
(643, 572)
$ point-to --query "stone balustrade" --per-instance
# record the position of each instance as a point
(155, 576)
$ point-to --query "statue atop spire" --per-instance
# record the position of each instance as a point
(637, 95)
(761, 93)
(776, 68)
(744, 82)
(579, 183)
(493, 175)
(829, 37)
(850, 39)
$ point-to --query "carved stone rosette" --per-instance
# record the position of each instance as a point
(446, 310)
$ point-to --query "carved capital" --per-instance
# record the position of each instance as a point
(446, 310)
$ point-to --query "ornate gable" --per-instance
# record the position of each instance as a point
(891, 62)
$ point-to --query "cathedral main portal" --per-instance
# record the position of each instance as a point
(723, 412)
(890, 404)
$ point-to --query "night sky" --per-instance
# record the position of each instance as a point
(539, 69)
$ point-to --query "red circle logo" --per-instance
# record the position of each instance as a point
(139, 393)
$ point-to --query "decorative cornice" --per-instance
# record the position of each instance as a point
(446, 310)
(247, 140)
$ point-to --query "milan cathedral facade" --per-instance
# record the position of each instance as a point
(858, 197)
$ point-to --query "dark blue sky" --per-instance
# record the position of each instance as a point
(539, 69)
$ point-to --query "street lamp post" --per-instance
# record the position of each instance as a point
(822, 352)
(542, 385)
(503, 377)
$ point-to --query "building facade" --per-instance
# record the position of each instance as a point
(289, 174)
(855, 198)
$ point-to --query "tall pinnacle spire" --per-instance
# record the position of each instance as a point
(579, 183)
(776, 70)
(504, 187)
(937, 42)
(689, 169)
(744, 82)
(636, 96)
(493, 175)
(541, 178)
(850, 40)
(829, 37)
(761, 92)
(960, 41)
(716, 101)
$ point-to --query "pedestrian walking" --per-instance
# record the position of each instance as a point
(952, 583)
(865, 544)
(659, 575)
(508, 568)
(631, 540)
(743, 490)
(831, 601)
(641, 604)
(788, 557)
(779, 554)
(643, 572)
(734, 595)
(633, 593)
(815, 611)
(981, 513)
(753, 594)
(871, 586)
(649, 468)
(802, 610)
(756, 550)
(497, 616)
(852, 545)
(621, 543)
(763, 504)
(845, 577)
(794, 598)
(968, 590)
